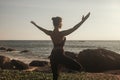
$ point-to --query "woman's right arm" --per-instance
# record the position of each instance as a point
(42, 29)
(69, 31)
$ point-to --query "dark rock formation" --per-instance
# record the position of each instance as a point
(38, 63)
(5, 63)
(2, 48)
(24, 51)
(19, 65)
(98, 60)
(10, 49)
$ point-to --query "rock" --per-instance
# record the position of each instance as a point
(19, 65)
(38, 63)
(24, 51)
(5, 63)
(2, 48)
(10, 49)
(8, 65)
(99, 60)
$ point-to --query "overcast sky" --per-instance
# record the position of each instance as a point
(103, 23)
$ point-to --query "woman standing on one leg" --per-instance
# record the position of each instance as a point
(57, 56)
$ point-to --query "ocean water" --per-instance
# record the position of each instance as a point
(40, 50)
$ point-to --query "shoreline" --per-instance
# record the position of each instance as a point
(24, 59)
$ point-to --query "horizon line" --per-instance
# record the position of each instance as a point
(51, 40)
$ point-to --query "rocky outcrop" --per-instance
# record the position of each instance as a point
(5, 63)
(10, 49)
(38, 63)
(19, 65)
(25, 51)
(6, 49)
(2, 48)
(98, 60)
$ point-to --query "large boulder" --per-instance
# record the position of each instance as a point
(98, 60)
(19, 65)
(38, 63)
(5, 62)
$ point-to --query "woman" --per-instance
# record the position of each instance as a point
(57, 56)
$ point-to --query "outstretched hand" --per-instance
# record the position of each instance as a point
(33, 22)
(85, 17)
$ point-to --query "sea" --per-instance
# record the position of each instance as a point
(41, 49)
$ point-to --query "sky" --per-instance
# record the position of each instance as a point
(103, 23)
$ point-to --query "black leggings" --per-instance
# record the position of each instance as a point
(58, 58)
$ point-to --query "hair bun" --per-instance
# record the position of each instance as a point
(53, 18)
(57, 19)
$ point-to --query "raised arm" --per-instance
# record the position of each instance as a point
(42, 29)
(69, 31)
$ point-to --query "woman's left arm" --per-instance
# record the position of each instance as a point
(69, 31)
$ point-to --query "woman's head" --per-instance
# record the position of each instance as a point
(57, 22)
